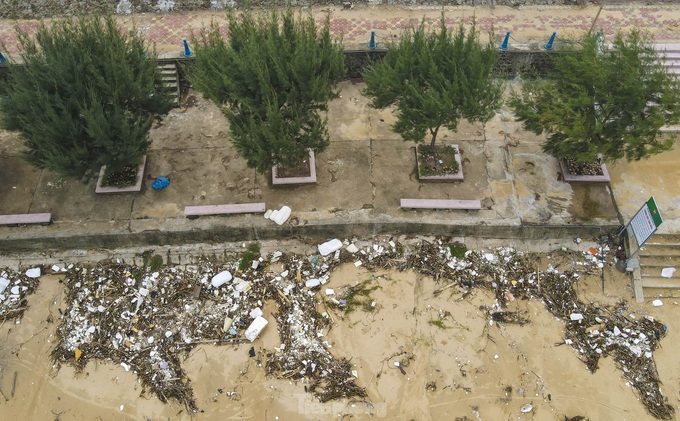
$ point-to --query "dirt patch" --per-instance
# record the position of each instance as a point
(124, 178)
(302, 170)
(437, 160)
(584, 168)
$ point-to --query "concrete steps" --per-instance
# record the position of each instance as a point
(671, 57)
(170, 79)
(661, 251)
(671, 60)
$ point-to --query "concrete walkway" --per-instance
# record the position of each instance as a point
(527, 24)
(364, 172)
(361, 177)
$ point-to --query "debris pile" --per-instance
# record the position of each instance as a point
(595, 331)
(14, 288)
(145, 319)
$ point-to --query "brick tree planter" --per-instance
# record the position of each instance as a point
(574, 178)
(129, 189)
(311, 179)
(445, 177)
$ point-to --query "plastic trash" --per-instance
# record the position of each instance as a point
(256, 312)
(311, 283)
(228, 321)
(667, 272)
(657, 303)
(4, 283)
(242, 286)
(160, 183)
(255, 328)
(33, 273)
(330, 247)
(281, 216)
(576, 316)
(220, 279)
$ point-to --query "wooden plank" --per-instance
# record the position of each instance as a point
(224, 209)
(26, 218)
(441, 204)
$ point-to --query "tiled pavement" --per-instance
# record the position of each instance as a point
(354, 26)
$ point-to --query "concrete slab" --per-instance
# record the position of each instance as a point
(362, 176)
(10, 143)
(592, 203)
(18, 180)
(536, 182)
(207, 176)
(659, 176)
(395, 160)
(74, 201)
(338, 169)
(355, 119)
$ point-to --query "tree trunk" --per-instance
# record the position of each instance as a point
(434, 135)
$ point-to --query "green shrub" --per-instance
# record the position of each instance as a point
(252, 253)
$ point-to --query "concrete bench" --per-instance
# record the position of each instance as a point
(196, 211)
(26, 218)
(440, 204)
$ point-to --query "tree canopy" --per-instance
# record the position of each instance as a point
(434, 79)
(272, 80)
(609, 101)
(83, 96)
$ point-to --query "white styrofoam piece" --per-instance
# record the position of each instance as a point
(220, 279)
(255, 328)
(330, 247)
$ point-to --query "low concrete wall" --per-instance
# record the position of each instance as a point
(533, 63)
(67, 238)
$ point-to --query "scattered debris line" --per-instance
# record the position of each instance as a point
(14, 288)
(146, 319)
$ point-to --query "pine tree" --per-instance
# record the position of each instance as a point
(603, 101)
(434, 79)
(83, 96)
(272, 80)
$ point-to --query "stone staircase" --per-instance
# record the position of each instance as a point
(170, 77)
(660, 251)
(672, 56)
(672, 62)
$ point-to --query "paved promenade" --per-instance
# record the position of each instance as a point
(364, 172)
(527, 24)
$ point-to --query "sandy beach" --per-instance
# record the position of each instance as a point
(456, 363)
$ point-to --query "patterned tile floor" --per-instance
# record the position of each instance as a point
(527, 24)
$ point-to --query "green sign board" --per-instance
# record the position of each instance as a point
(645, 222)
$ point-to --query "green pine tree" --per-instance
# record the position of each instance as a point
(272, 80)
(434, 79)
(83, 96)
(603, 101)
